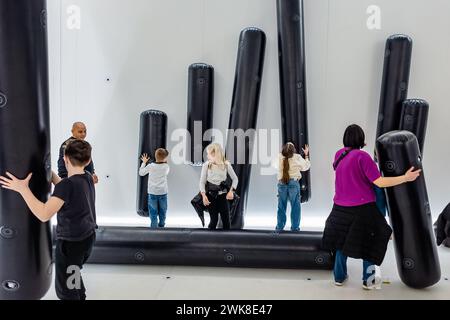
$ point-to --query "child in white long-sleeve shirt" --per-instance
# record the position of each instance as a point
(157, 186)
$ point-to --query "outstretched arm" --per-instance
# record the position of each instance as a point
(386, 182)
(43, 211)
(144, 169)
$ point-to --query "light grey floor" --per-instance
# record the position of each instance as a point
(166, 282)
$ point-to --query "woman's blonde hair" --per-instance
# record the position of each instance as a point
(216, 150)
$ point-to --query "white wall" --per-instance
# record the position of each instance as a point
(145, 47)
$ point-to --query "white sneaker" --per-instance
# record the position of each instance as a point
(370, 286)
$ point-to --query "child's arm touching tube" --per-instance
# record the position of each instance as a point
(43, 211)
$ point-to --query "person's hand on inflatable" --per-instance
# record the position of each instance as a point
(15, 184)
(412, 175)
(306, 150)
(206, 200)
(230, 195)
(55, 178)
(145, 158)
(95, 177)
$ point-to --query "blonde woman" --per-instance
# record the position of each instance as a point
(213, 187)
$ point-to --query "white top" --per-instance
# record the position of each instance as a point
(215, 175)
(296, 165)
(157, 177)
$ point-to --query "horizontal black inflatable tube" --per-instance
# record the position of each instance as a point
(152, 136)
(201, 247)
(409, 208)
(25, 242)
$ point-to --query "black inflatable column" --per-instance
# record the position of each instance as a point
(292, 64)
(25, 242)
(153, 135)
(415, 248)
(200, 109)
(394, 86)
(244, 112)
(414, 119)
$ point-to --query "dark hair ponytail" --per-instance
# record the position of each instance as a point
(288, 152)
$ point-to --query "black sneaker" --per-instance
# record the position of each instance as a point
(368, 286)
(340, 283)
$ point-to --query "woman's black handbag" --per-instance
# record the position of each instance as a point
(199, 207)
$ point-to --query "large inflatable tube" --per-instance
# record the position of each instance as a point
(200, 110)
(244, 112)
(25, 242)
(153, 135)
(394, 86)
(409, 208)
(292, 65)
(414, 119)
(199, 247)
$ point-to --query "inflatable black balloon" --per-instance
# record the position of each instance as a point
(414, 118)
(153, 135)
(199, 247)
(292, 65)
(200, 110)
(25, 242)
(244, 112)
(394, 86)
(409, 208)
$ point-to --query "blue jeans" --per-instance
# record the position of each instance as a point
(340, 268)
(157, 208)
(289, 192)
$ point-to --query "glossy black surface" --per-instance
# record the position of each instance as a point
(414, 118)
(200, 109)
(409, 209)
(199, 247)
(292, 65)
(394, 86)
(152, 136)
(244, 112)
(25, 242)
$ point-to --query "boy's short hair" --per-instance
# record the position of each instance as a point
(161, 154)
(78, 152)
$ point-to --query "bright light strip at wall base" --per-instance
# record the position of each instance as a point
(264, 223)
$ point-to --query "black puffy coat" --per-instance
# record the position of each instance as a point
(360, 232)
(442, 226)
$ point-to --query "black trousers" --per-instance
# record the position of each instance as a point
(219, 206)
(70, 256)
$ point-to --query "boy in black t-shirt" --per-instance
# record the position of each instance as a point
(74, 201)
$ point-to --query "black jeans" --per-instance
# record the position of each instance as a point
(219, 206)
(70, 256)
